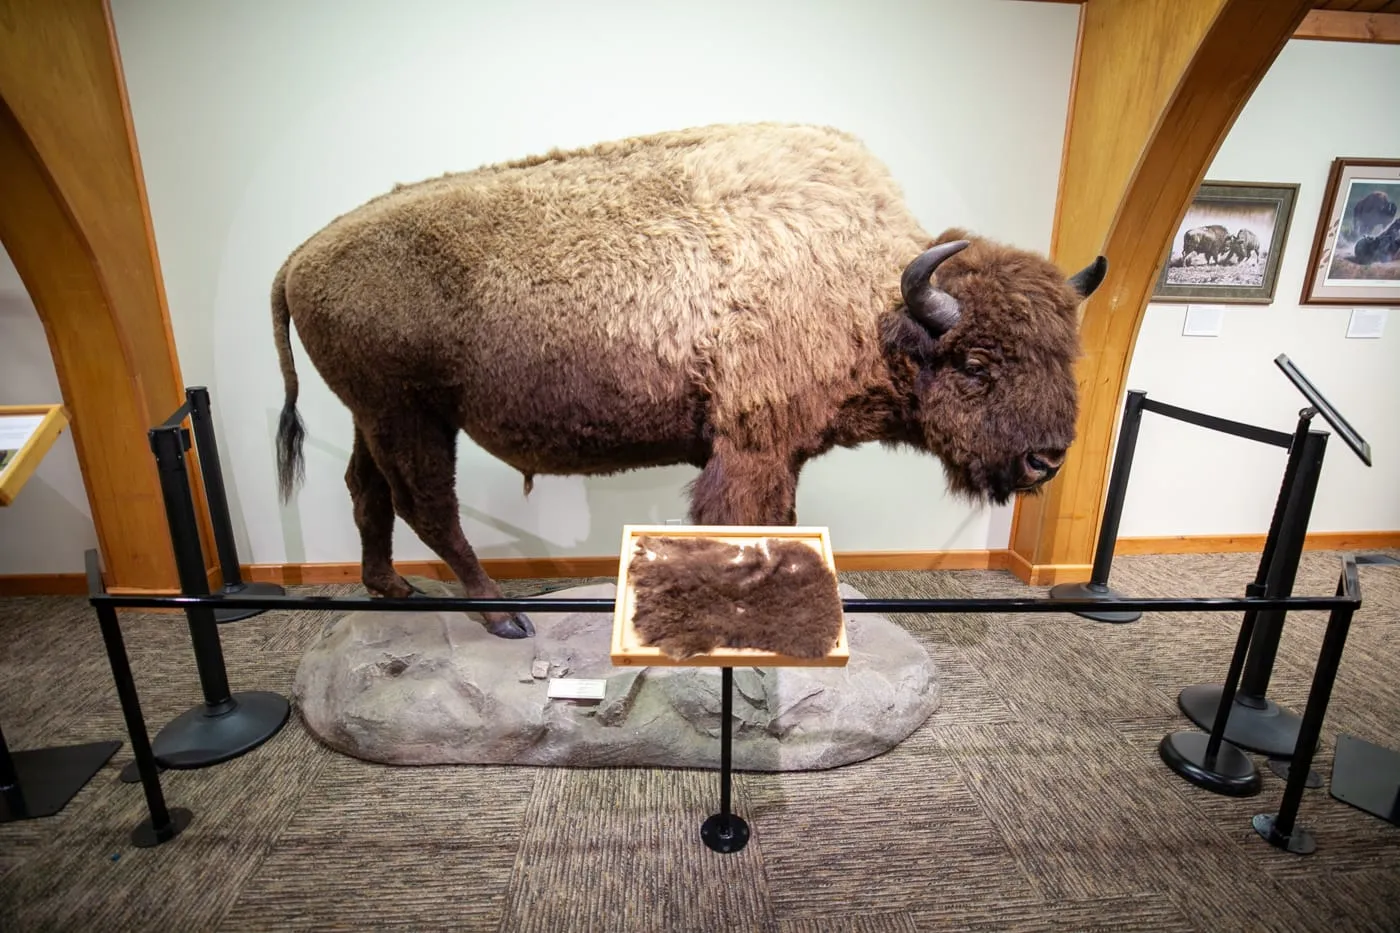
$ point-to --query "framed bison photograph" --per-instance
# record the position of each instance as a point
(1229, 245)
(1355, 257)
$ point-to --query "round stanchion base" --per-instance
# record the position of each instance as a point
(235, 614)
(132, 774)
(1233, 773)
(1271, 731)
(1299, 842)
(1280, 769)
(196, 739)
(725, 832)
(1093, 591)
(145, 836)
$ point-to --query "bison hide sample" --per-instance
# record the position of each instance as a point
(738, 298)
(693, 595)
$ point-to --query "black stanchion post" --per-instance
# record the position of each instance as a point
(1257, 723)
(207, 446)
(227, 725)
(725, 831)
(1281, 829)
(163, 824)
(1097, 587)
(1208, 760)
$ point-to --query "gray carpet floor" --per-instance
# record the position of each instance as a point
(1032, 800)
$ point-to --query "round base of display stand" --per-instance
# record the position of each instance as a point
(145, 836)
(245, 589)
(725, 832)
(196, 738)
(1093, 591)
(1231, 773)
(1299, 842)
(1271, 731)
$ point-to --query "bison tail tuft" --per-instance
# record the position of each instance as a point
(291, 467)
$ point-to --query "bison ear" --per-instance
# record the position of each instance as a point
(1087, 280)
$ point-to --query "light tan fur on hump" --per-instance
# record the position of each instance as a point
(736, 259)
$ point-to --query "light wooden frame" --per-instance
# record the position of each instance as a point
(627, 649)
(16, 473)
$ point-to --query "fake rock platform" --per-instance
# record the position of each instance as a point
(436, 688)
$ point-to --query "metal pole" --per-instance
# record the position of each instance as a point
(169, 446)
(1232, 679)
(725, 832)
(161, 824)
(216, 497)
(8, 776)
(1283, 570)
(1280, 829)
(1117, 487)
(726, 738)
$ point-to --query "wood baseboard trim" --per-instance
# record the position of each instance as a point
(43, 584)
(75, 584)
(1231, 544)
(1046, 574)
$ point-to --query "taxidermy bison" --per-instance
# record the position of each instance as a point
(738, 298)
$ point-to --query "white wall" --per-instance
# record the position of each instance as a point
(258, 122)
(49, 525)
(1310, 108)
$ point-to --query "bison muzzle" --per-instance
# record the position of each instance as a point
(738, 298)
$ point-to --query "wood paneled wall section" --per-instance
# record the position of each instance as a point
(1158, 84)
(75, 222)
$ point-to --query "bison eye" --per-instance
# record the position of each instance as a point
(975, 366)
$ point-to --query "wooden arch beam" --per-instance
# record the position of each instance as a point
(75, 223)
(1157, 86)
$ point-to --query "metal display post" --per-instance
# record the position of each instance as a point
(163, 824)
(202, 421)
(226, 725)
(726, 831)
(1097, 587)
(1281, 829)
(1255, 722)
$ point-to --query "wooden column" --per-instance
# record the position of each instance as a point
(1157, 86)
(75, 222)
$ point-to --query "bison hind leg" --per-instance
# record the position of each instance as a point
(374, 516)
(417, 454)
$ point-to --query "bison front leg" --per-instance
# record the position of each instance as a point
(740, 487)
(417, 455)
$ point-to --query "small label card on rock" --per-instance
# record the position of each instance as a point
(575, 688)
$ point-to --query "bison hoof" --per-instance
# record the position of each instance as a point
(514, 626)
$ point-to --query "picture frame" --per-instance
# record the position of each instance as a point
(1229, 246)
(1355, 258)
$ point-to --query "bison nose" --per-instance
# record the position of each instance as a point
(1044, 464)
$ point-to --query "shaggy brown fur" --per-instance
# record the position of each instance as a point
(728, 297)
(696, 594)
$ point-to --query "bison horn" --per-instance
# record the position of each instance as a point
(1087, 280)
(932, 307)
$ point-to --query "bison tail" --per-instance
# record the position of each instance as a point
(291, 467)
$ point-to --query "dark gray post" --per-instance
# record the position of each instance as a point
(1097, 587)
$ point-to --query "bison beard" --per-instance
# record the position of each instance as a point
(694, 595)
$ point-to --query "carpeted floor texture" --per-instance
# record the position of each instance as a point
(1033, 800)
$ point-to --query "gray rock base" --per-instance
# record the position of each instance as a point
(436, 688)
